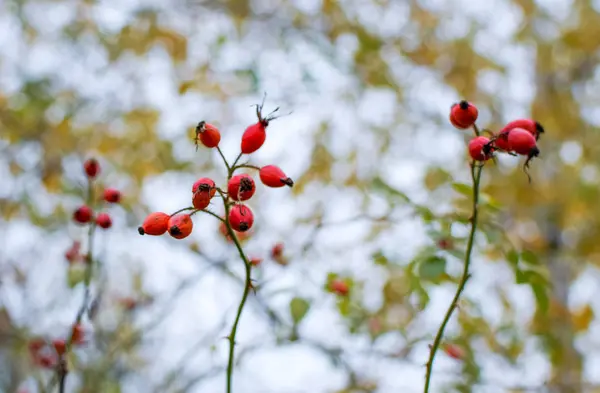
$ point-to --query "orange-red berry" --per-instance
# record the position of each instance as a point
(241, 187)
(277, 251)
(203, 190)
(454, 351)
(180, 226)
(112, 196)
(480, 148)
(255, 261)
(155, 224)
(273, 176)
(104, 221)
(91, 167)
(241, 218)
(35, 345)
(339, 287)
(78, 334)
(463, 114)
(60, 346)
(83, 215)
(208, 134)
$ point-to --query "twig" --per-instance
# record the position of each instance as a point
(476, 176)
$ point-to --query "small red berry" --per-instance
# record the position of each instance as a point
(208, 134)
(445, 244)
(60, 346)
(277, 251)
(522, 141)
(203, 190)
(339, 287)
(155, 224)
(501, 141)
(255, 261)
(241, 218)
(78, 334)
(253, 138)
(241, 187)
(91, 167)
(112, 196)
(273, 176)
(35, 345)
(530, 125)
(104, 221)
(463, 114)
(454, 351)
(180, 226)
(480, 149)
(83, 215)
(46, 361)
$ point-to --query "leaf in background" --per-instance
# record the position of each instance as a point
(582, 318)
(462, 188)
(380, 185)
(529, 258)
(432, 268)
(298, 309)
(75, 275)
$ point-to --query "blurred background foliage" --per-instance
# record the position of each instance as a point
(381, 195)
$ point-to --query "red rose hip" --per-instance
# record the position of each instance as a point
(112, 196)
(208, 134)
(463, 114)
(155, 224)
(91, 167)
(203, 190)
(241, 218)
(104, 221)
(180, 226)
(273, 176)
(480, 149)
(83, 215)
(241, 187)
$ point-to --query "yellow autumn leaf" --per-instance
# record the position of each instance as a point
(582, 318)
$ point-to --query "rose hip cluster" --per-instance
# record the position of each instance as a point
(47, 353)
(240, 187)
(518, 137)
(85, 213)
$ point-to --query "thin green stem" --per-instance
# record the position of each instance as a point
(232, 168)
(247, 285)
(215, 215)
(224, 159)
(476, 177)
(182, 210)
(246, 166)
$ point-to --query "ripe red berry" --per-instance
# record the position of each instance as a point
(112, 196)
(522, 142)
(255, 261)
(208, 134)
(277, 251)
(104, 221)
(83, 215)
(203, 190)
(78, 334)
(241, 218)
(339, 287)
(501, 141)
(60, 346)
(480, 149)
(180, 226)
(91, 167)
(253, 138)
(530, 125)
(155, 224)
(241, 187)
(273, 176)
(463, 114)
(35, 345)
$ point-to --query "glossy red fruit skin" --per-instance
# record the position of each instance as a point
(83, 215)
(254, 137)
(463, 115)
(530, 125)
(203, 190)
(208, 134)
(112, 196)
(339, 287)
(91, 168)
(241, 218)
(476, 149)
(104, 221)
(501, 141)
(155, 224)
(273, 176)
(180, 226)
(521, 141)
(241, 187)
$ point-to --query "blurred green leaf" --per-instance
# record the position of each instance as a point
(529, 258)
(462, 188)
(432, 268)
(75, 275)
(379, 184)
(298, 309)
(513, 258)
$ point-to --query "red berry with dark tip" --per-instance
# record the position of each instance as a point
(203, 190)
(522, 141)
(104, 221)
(463, 114)
(155, 224)
(529, 125)
(91, 167)
(241, 187)
(112, 196)
(480, 149)
(83, 215)
(273, 176)
(208, 134)
(180, 226)
(241, 218)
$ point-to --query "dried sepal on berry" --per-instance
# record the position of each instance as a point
(273, 176)
(241, 187)
(207, 134)
(463, 114)
(241, 218)
(180, 226)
